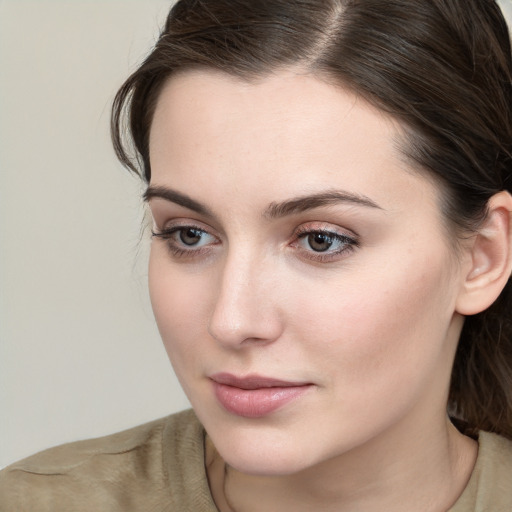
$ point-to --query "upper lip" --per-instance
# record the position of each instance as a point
(253, 381)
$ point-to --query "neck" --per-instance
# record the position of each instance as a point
(426, 472)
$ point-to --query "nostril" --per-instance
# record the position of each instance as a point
(243, 325)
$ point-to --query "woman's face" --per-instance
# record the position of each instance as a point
(302, 278)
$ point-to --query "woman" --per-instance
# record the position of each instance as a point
(328, 182)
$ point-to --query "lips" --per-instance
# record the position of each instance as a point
(255, 396)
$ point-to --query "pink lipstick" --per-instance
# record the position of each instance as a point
(254, 396)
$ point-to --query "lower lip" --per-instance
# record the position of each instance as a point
(255, 403)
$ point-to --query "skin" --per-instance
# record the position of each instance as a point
(371, 323)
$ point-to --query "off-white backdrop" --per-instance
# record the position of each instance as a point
(79, 353)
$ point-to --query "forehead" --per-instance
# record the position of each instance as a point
(291, 105)
(287, 133)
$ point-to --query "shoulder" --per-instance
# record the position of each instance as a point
(115, 472)
(494, 467)
(490, 485)
(71, 455)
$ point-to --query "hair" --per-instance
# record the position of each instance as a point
(443, 68)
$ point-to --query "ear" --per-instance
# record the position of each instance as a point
(490, 257)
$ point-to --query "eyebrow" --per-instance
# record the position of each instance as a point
(176, 197)
(308, 202)
(274, 210)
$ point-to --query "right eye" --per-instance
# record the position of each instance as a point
(186, 240)
(192, 236)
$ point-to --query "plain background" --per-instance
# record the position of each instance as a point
(80, 355)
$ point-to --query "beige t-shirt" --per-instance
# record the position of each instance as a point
(159, 467)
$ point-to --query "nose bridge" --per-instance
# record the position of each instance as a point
(244, 309)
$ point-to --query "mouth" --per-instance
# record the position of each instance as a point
(255, 396)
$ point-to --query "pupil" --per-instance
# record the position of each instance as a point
(190, 236)
(320, 242)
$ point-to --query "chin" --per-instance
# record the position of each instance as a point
(264, 463)
(261, 451)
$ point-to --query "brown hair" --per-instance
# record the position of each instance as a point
(441, 67)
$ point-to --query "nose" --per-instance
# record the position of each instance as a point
(246, 309)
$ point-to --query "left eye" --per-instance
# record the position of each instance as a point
(324, 241)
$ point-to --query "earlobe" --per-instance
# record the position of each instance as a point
(490, 257)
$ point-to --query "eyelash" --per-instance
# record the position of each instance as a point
(348, 243)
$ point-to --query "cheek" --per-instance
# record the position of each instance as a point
(377, 330)
(179, 301)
